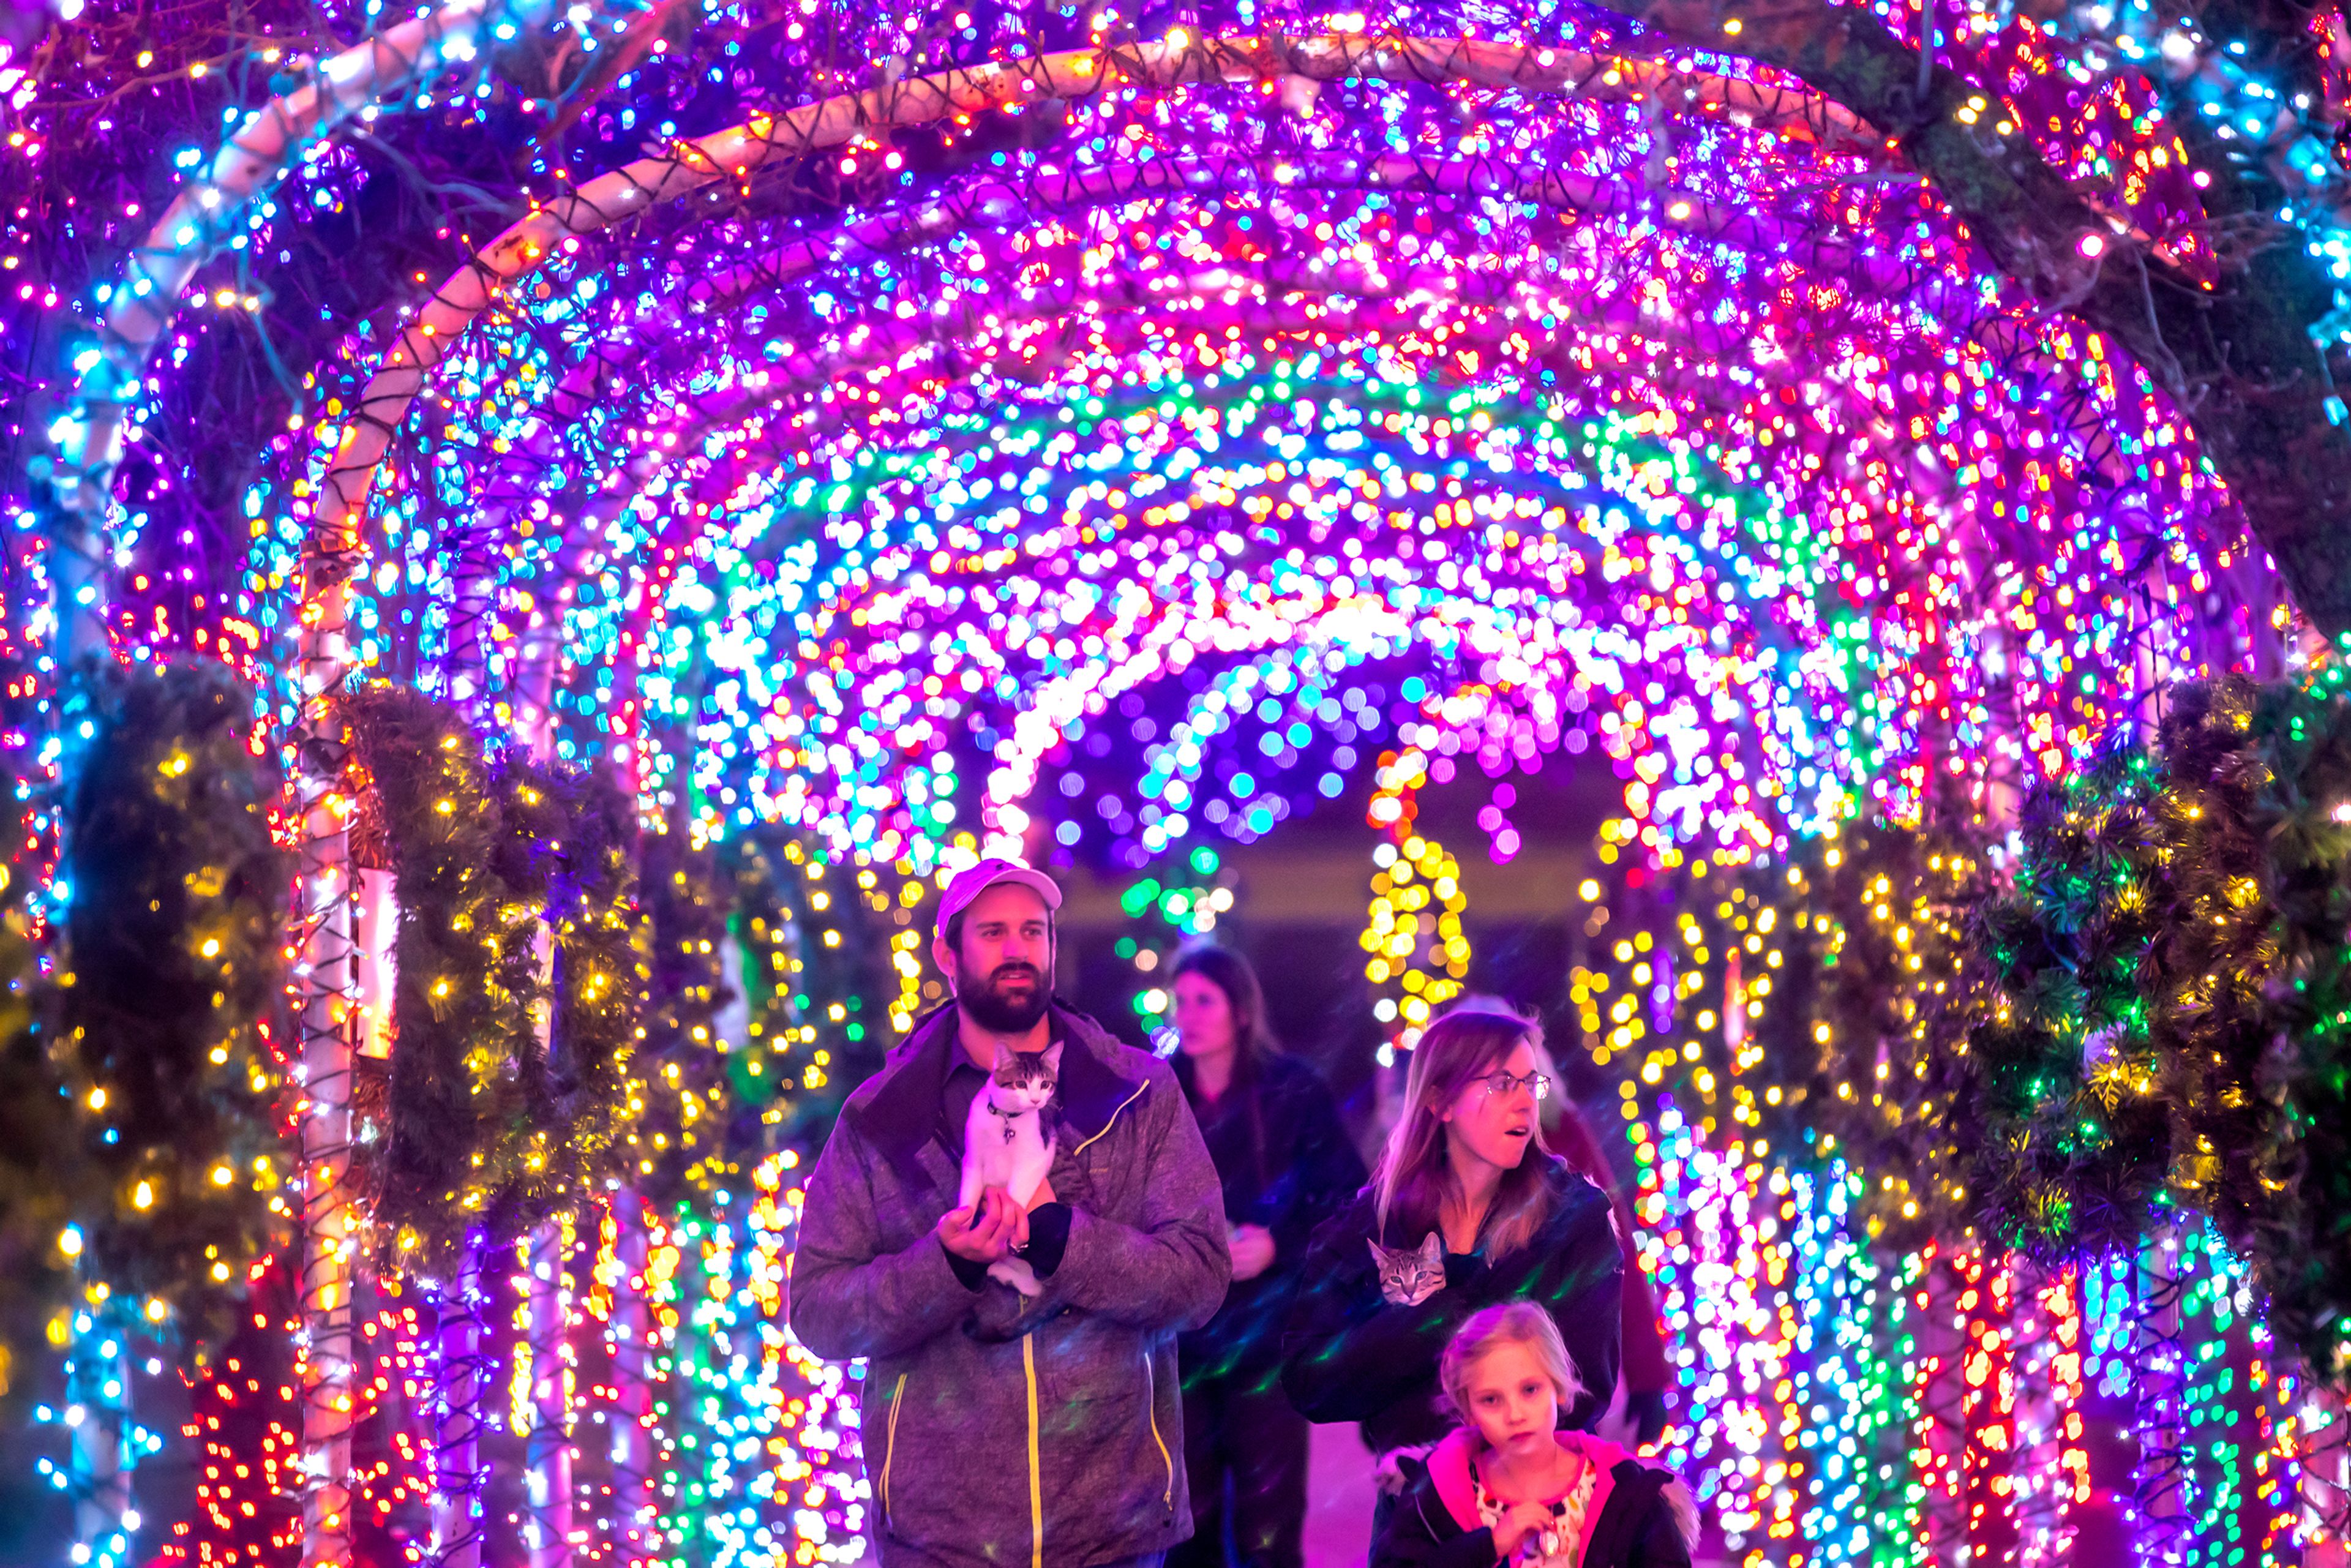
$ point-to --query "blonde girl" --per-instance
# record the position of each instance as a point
(1508, 1487)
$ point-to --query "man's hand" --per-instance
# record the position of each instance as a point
(1252, 1249)
(984, 1232)
(1037, 1200)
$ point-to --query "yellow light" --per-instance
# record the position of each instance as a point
(97, 1099)
(142, 1196)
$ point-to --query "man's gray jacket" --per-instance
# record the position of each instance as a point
(1002, 1432)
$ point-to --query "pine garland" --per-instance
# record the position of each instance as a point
(2074, 1140)
(601, 971)
(167, 1001)
(1868, 1025)
(460, 1137)
(48, 1180)
(2169, 1027)
(488, 1126)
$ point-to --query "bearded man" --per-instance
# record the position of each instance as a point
(1002, 1427)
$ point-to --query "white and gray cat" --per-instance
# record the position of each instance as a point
(1008, 1139)
(1410, 1276)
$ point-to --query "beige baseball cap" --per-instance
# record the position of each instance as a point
(991, 872)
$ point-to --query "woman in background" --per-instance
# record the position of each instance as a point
(1287, 1166)
(1466, 1210)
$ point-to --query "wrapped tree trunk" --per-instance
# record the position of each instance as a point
(633, 1511)
(464, 1382)
(549, 1482)
(98, 1387)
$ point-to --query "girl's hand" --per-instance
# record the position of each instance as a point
(1521, 1523)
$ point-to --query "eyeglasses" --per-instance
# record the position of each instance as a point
(1537, 1084)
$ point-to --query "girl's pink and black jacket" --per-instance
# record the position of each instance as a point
(1640, 1515)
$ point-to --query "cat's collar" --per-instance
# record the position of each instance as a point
(898, 1109)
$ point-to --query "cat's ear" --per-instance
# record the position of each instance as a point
(1432, 1249)
(1379, 1253)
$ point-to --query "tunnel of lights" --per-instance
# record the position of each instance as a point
(1237, 408)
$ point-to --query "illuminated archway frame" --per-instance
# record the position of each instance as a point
(1671, 211)
(611, 365)
(204, 215)
(324, 652)
(879, 343)
(604, 365)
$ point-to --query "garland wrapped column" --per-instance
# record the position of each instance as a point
(157, 1187)
(98, 1393)
(461, 1389)
(459, 1157)
(633, 1511)
(2161, 1480)
(548, 1315)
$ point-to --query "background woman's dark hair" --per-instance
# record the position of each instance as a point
(1230, 973)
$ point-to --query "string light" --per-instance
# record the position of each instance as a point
(1115, 508)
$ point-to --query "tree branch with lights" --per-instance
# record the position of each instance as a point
(2230, 345)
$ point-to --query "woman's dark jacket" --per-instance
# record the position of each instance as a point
(1646, 1520)
(1287, 1164)
(1349, 1355)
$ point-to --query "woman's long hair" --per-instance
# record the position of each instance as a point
(1230, 973)
(1415, 1177)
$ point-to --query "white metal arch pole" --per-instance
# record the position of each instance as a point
(203, 217)
(327, 1021)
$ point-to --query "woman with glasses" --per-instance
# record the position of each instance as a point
(1466, 1210)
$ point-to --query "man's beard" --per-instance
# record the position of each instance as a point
(1000, 1012)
